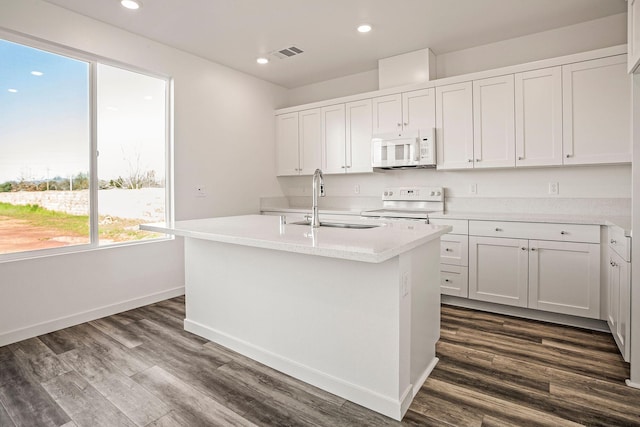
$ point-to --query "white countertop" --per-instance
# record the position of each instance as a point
(621, 221)
(373, 245)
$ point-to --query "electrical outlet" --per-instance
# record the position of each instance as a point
(356, 188)
(473, 188)
(201, 191)
(405, 284)
(554, 188)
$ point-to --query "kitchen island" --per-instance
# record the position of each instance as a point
(354, 311)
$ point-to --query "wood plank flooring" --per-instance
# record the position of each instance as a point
(140, 368)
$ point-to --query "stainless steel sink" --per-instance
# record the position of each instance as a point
(338, 224)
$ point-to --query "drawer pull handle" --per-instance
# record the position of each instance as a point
(520, 158)
(523, 248)
(498, 229)
(447, 280)
(613, 242)
(564, 232)
(470, 160)
(533, 249)
(448, 250)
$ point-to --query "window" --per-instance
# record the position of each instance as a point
(83, 151)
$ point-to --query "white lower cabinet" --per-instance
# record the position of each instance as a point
(565, 277)
(454, 280)
(619, 293)
(557, 276)
(454, 258)
(498, 270)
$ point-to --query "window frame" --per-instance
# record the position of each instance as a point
(93, 60)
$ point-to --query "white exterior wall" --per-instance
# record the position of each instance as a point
(223, 131)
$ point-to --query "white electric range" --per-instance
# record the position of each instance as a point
(409, 203)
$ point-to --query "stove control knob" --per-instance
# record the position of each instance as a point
(391, 193)
(433, 193)
(438, 193)
(386, 193)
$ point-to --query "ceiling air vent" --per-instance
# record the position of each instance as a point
(287, 52)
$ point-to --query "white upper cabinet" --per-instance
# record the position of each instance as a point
(346, 137)
(358, 136)
(454, 126)
(633, 34)
(413, 110)
(596, 111)
(334, 138)
(493, 122)
(538, 114)
(419, 109)
(310, 141)
(288, 159)
(387, 114)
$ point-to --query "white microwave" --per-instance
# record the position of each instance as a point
(411, 149)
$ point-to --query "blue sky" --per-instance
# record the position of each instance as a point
(45, 123)
(44, 126)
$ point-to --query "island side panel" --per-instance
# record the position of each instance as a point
(330, 322)
(425, 311)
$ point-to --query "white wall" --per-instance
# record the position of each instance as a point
(635, 241)
(574, 182)
(591, 35)
(224, 133)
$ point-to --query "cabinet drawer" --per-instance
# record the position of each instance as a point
(620, 243)
(454, 249)
(460, 226)
(454, 280)
(536, 230)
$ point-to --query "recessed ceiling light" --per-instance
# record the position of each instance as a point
(37, 73)
(262, 61)
(364, 28)
(148, 98)
(13, 90)
(131, 4)
(112, 108)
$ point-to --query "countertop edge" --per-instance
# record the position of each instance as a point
(301, 249)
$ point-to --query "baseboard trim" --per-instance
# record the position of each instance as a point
(368, 398)
(632, 384)
(527, 313)
(86, 316)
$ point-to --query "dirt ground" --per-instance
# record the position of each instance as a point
(17, 235)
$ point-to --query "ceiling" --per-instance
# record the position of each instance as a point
(236, 32)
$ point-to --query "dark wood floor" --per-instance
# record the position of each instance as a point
(140, 368)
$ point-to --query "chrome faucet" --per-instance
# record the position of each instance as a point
(317, 179)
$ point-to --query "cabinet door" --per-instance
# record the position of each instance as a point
(596, 111)
(387, 114)
(333, 139)
(359, 133)
(454, 126)
(454, 249)
(633, 34)
(287, 155)
(618, 310)
(419, 109)
(565, 277)
(454, 280)
(538, 96)
(310, 141)
(498, 270)
(494, 123)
